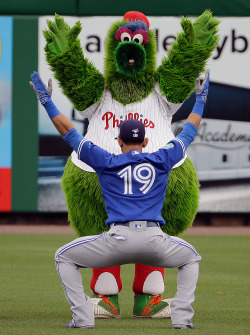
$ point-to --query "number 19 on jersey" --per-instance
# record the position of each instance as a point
(143, 173)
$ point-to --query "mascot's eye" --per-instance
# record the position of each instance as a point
(138, 38)
(125, 37)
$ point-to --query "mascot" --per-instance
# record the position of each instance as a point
(131, 87)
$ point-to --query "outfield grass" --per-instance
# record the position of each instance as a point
(32, 300)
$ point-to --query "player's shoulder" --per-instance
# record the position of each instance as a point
(169, 149)
(169, 145)
(177, 142)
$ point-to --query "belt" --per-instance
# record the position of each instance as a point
(128, 223)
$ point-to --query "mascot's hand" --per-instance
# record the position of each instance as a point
(205, 29)
(59, 36)
(188, 29)
(43, 92)
(201, 89)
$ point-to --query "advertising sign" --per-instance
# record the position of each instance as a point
(5, 112)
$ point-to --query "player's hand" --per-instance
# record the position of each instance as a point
(201, 88)
(59, 36)
(205, 29)
(43, 92)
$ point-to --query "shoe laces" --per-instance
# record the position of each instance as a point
(155, 300)
(107, 302)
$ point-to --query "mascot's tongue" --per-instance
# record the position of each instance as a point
(131, 61)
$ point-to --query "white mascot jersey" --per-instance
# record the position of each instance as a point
(155, 112)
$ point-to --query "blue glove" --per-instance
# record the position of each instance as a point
(44, 94)
(202, 88)
(42, 91)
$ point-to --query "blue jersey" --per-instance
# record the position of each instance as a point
(133, 184)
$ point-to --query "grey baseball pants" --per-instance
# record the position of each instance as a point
(123, 245)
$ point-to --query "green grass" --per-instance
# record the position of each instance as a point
(32, 299)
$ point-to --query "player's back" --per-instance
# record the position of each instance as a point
(134, 186)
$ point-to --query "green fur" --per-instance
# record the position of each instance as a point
(128, 88)
(205, 29)
(86, 208)
(59, 36)
(186, 60)
(127, 91)
(182, 199)
(79, 80)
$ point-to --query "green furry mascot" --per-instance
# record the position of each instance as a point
(131, 87)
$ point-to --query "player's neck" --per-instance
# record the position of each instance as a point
(127, 148)
(132, 146)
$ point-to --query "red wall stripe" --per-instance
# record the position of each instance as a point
(5, 189)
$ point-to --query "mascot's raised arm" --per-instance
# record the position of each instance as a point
(131, 87)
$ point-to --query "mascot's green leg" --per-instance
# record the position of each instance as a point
(182, 199)
(86, 210)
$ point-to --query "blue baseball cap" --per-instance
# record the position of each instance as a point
(131, 131)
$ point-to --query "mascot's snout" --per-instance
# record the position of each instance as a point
(130, 57)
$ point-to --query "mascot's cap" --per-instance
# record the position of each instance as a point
(132, 130)
(136, 16)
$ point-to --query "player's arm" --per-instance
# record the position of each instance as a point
(90, 154)
(192, 123)
(176, 148)
(64, 126)
(61, 122)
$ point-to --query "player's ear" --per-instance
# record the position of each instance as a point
(120, 141)
(145, 142)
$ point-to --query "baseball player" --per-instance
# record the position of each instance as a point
(133, 186)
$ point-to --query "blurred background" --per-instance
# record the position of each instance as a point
(33, 156)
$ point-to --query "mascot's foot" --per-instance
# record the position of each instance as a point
(150, 306)
(106, 307)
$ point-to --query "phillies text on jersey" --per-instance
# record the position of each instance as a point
(155, 112)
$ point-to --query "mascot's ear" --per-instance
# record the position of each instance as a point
(136, 16)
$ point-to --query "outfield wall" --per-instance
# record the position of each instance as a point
(19, 42)
(113, 7)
